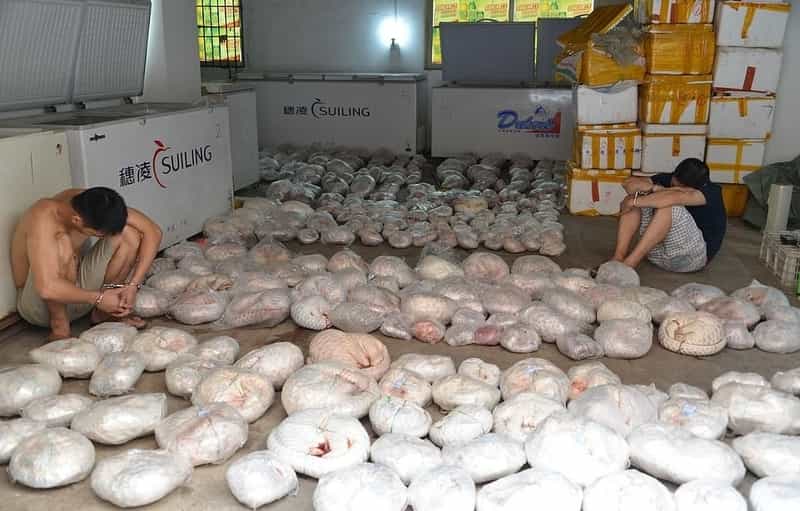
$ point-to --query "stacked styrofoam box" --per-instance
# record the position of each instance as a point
(674, 98)
(608, 144)
(749, 40)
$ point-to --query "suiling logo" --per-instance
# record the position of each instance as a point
(163, 163)
(160, 149)
(320, 109)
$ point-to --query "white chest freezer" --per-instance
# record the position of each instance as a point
(35, 165)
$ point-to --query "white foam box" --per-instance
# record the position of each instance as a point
(609, 147)
(759, 24)
(608, 105)
(747, 69)
(729, 160)
(741, 115)
(664, 146)
(676, 11)
(596, 192)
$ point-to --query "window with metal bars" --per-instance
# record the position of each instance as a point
(219, 33)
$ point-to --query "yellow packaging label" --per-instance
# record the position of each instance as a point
(678, 11)
(620, 146)
(599, 69)
(750, 11)
(680, 49)
(679, 93)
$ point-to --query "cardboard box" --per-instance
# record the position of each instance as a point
(667, 99)
(603, 148)
(607, 105)
(679, 49)
(596, 192)
(741, 115)
(729, 160)
(753, 24)
(664, 146)
(747, 69)
(676, 11)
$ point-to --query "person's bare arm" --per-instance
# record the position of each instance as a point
(148, 248)
(637, 184)
(674, 196)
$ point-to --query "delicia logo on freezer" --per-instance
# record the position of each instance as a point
(541, 122)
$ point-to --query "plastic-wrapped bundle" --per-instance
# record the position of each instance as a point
(516, 492)
(588, 375)
(664, 307)
(653, 393)
(211, 434)
(552, 243)
(625, 338)
(399, 239)
(51, 458)
(406, 385)
(580, 449)
(520, 415)
(702, 418)
(363, 487)
(692, 333)
(312, 263)
(618, 274)
(708, 495)
(260, 478)
(574, 282)
(738, 377)
(428, 330)
(777, 493)
(248, 392)
(185, 249)
(222, 251)
(733, 309)
(535, 285)
(338, 236)
(519, 338)
(769, 454)
(643, 295)
(457, 390)
(139, 477)
(391, 266)
(19, 386)
(777, 336)
(673, 454)
(536, 375)
(579, 347)
(361, 351)
(753, 408)
(211, 282)
(534, 264)
(276, 361)
(173, 282)
(158, 346)
(152, 302)
(72, 358)
(487, 457)
(332, 385)
(196, 265)
(57, 410)
(223, 349)
(119, 420)
(355, 318)
(619, 407)
(697, 294)
(480, 370)
(316, 442)
(486, 267)
(267, 308)
(14, 431)
(160, 264)
(270, 252)
(185, 373)
(444, 487)
(461, 425)
(623, 309)
(116, 374)
(760, 295)
(392, 415)
(781, 313)
(787, 381)
(320, 285)
(428, 306)
(629, 490)
(198, 306)
(737, 336)
(312, 312)
(505, 300)
(549, 324)
(347, 259)
(429, 367)
(110, 337)
(685, 391)
(406, 455)
(398, 326)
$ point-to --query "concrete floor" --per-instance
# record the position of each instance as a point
(590, 242)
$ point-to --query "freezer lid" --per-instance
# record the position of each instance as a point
(64, 51)
(337, 77)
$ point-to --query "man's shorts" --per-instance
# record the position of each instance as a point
(684, 248)
(91, 273)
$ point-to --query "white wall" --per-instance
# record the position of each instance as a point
(785, 142)
(172, 73)
(332, 35)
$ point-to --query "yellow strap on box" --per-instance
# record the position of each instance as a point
(595, 152)
(742, 107)
(629, 151)
(750, 13)
(676, 145)
(738, 167)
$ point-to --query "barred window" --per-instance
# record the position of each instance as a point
(219, 33)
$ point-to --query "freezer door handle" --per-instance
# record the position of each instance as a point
(96, 137)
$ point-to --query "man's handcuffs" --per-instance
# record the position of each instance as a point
(106, 287)
(637, 195)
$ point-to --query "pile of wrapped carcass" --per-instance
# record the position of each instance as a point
(529, 433)
(340, 197)
(479, 299)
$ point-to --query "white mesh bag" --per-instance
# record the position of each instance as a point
(619, 407)
(72, 358)
(393, 415)
(777, 493)
(51, 458)
(56, 410)
(580, 449)
(708, 495)
(444, 487)
(276, 361)
(429, 367)
(119, 420)
(363, 487)
(249, 393)
(402, 384)
(316, 442)
(699, 417)
(456, 390)
(516, 492)
(139, 477)
(769, 454)
(406, 455)
(461, 425)
(260, 478)
(629, 490)
(487, 457)
(204, 435)
(536, 375)
(331, 385)
(520, 415)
